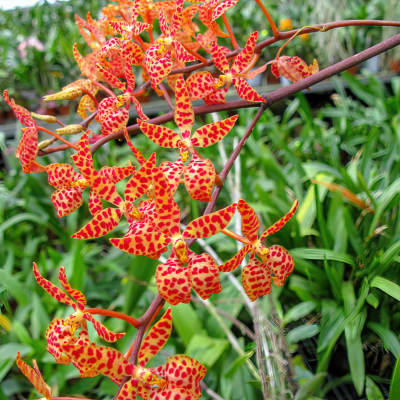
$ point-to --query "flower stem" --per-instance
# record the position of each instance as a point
(40, 128)
(274, 28)
(230, 32)
(114, 314)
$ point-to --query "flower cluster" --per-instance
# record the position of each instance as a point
(124, 50)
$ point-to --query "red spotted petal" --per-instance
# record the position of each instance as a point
(50, 288)
(250, 222)
(132, 53)
(95, 204)
(110, 78)
(129, 390)
(222, 8)
(103, 332)
(101, 224)
(219, 58)
(176, 393)
(173, 282)
(34, 376)
(160, 135)
(173, 172)
(155, 339)
(242, 60)
(236, 260)
(200, 84)
(294, 68)
(22, 114)
(158, 69)
(256, 279)
(27, 149)
(184, 116)
(181, 53)
(57, 335)
(61, 175)
(210, 224)
(139, 109)
(74, 293)
(86, 104)
(209, 134)
(280, 262)
(139, 156)
(116, 174)
(167, 210)
(204, 274)
(245, 91)
(199, 178)
(216, 97)
(184, 372)
(110, 116)
(66, 201)
(146, 242)
(278, 225)
(177, 17)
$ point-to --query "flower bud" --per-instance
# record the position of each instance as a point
(70, 129)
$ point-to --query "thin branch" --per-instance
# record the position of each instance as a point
(167, 97)
(210, 392)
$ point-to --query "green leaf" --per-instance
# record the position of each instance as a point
(15, 287)
(372, 390)
(186, 322)
(387, 286)
(394, 393)
(321, 254)
(389, 339)
(238, 363)
(206, 350)
(302, 332)
(298, 311)
(310, 387)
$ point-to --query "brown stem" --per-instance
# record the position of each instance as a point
(114, 314)
(104, 88)
(85, 123)
(274, 28)
(230, 31)
(167, 97)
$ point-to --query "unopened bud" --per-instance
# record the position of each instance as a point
(45, 143)
(67, 94)
(70, 129)
(43, 117)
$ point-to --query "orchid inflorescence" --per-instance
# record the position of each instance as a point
(124, 49)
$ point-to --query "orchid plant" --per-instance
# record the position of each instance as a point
(127, 47)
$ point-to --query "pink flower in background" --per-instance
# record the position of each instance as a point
(31, 41)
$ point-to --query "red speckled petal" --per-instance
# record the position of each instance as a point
(250, 222)
(28, 148)
(83, 158)
(146, 242)
(34, 376)
(95, 204)
(110, 116)
(236, 260)
(184, 116)
(155, 339)
(222, 8)
(116, 174)
(128, 390)
(275, 69)
(256, 279)
(294, 68)
(199, 178)
(139, 109)
(110, 78)
(181, 53)
(160, 135)
(21, 113)
(103, 332)
(173, 172)
(212, 133)
(245, 91)
(158, 69)
(216, 97)
(86, 104)
(50, 288)
(61, 175)
(278, 225)
(219, 58)
(167, 210)
(184, 372)
(200, 84)
(204, 274)
(210, 224)
(280, 262)
(243, 59)
(173, 282)
(102, 223)
(74, 293)
(66, 201)
(139, 156)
